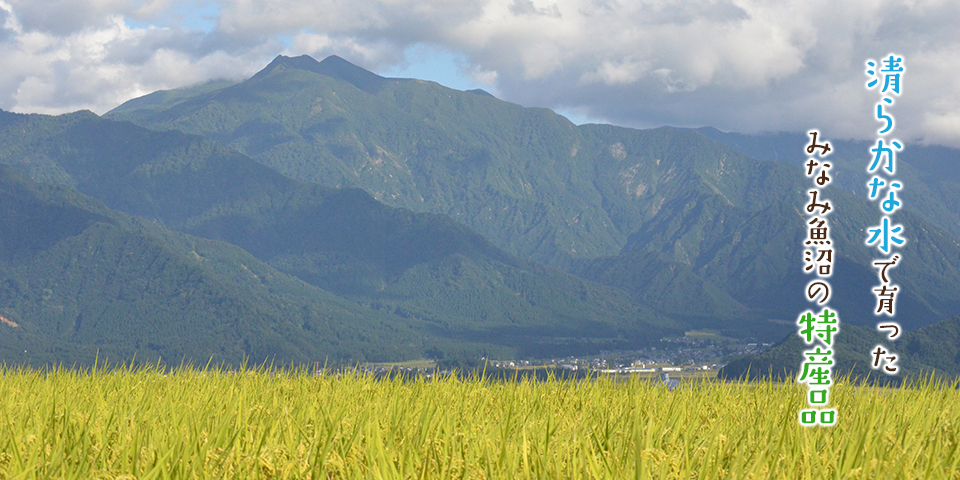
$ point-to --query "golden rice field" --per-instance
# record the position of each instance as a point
(258, 424)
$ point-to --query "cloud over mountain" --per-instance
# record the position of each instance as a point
(745, 65)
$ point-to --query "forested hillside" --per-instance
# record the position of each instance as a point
(930, 172)
(452, 286)
(320, 210)
(527, 179)
(687, 225)
(934, 349)
(77, 278)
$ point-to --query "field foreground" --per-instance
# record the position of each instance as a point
(143, 424)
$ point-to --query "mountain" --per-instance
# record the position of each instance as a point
(931, 349)
(453, 286)
(712, 261)
(77, 278)
(683, 223)
(527, 179)
(930, 173)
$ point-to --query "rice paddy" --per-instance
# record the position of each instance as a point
(212, 423)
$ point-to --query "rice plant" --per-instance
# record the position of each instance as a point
(147, 423)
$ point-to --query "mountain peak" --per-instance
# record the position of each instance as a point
(481, 92)
(332, 66)
(303, 62)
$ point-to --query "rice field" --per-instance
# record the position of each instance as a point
(141, 423)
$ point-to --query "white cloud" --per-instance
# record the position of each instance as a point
(481, 76)
(100, 66)
(744, 65)
(321, 45)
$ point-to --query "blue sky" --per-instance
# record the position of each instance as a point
(199, 16)
(737, 65)
(437, 64)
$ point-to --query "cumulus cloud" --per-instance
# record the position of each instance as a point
(54, 67)
(742, 65)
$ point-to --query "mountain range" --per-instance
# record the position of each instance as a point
(421, 272)
(358, 217)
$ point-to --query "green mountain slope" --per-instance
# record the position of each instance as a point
(424, 267)
(748, 266)
(931, 349)
(930, 174)
(714, 232)
(527, 179)
(77, 278)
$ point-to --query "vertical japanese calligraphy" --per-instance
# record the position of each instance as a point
(818, 329)
(884, 188)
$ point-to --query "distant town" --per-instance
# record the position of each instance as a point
(691, 355)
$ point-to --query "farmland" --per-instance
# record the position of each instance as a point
(261, 423)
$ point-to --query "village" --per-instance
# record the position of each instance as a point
(697, 354)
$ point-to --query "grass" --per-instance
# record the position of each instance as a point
(146, 424)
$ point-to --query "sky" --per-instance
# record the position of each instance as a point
(738, 65)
